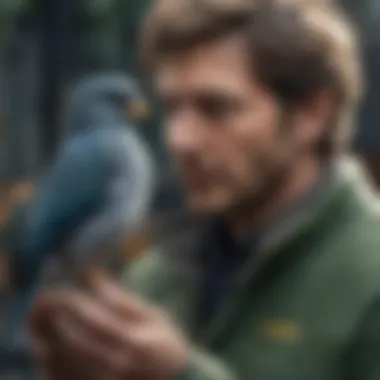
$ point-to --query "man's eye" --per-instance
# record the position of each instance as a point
(217, 108)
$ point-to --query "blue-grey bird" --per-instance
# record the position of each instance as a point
(101, 183)
(97, 190)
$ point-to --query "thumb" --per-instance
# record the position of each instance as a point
(41, 318)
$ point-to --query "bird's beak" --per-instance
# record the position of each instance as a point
(138, 109)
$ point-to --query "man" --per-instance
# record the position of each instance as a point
(282, 280)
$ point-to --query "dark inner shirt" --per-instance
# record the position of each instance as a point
(224, 256)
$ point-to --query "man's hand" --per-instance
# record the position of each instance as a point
(110, 335)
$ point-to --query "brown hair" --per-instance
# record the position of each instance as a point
(298, 47)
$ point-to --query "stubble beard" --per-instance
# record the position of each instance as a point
(261, 198)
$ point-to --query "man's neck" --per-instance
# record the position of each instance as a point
(256, 215)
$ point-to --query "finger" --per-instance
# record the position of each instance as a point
(61, 366)
(60, 362)
(95, 318)
(88, 349)
(41, 318)
(120, 300)
(51, 365)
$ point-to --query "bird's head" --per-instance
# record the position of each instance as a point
(104, 100)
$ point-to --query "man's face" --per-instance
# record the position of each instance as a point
(224, 131)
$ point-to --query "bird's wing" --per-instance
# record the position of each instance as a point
(72, 191)
(128, 196)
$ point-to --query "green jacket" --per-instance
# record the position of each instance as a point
(306, 308)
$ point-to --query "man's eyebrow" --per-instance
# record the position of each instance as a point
(209, 93)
